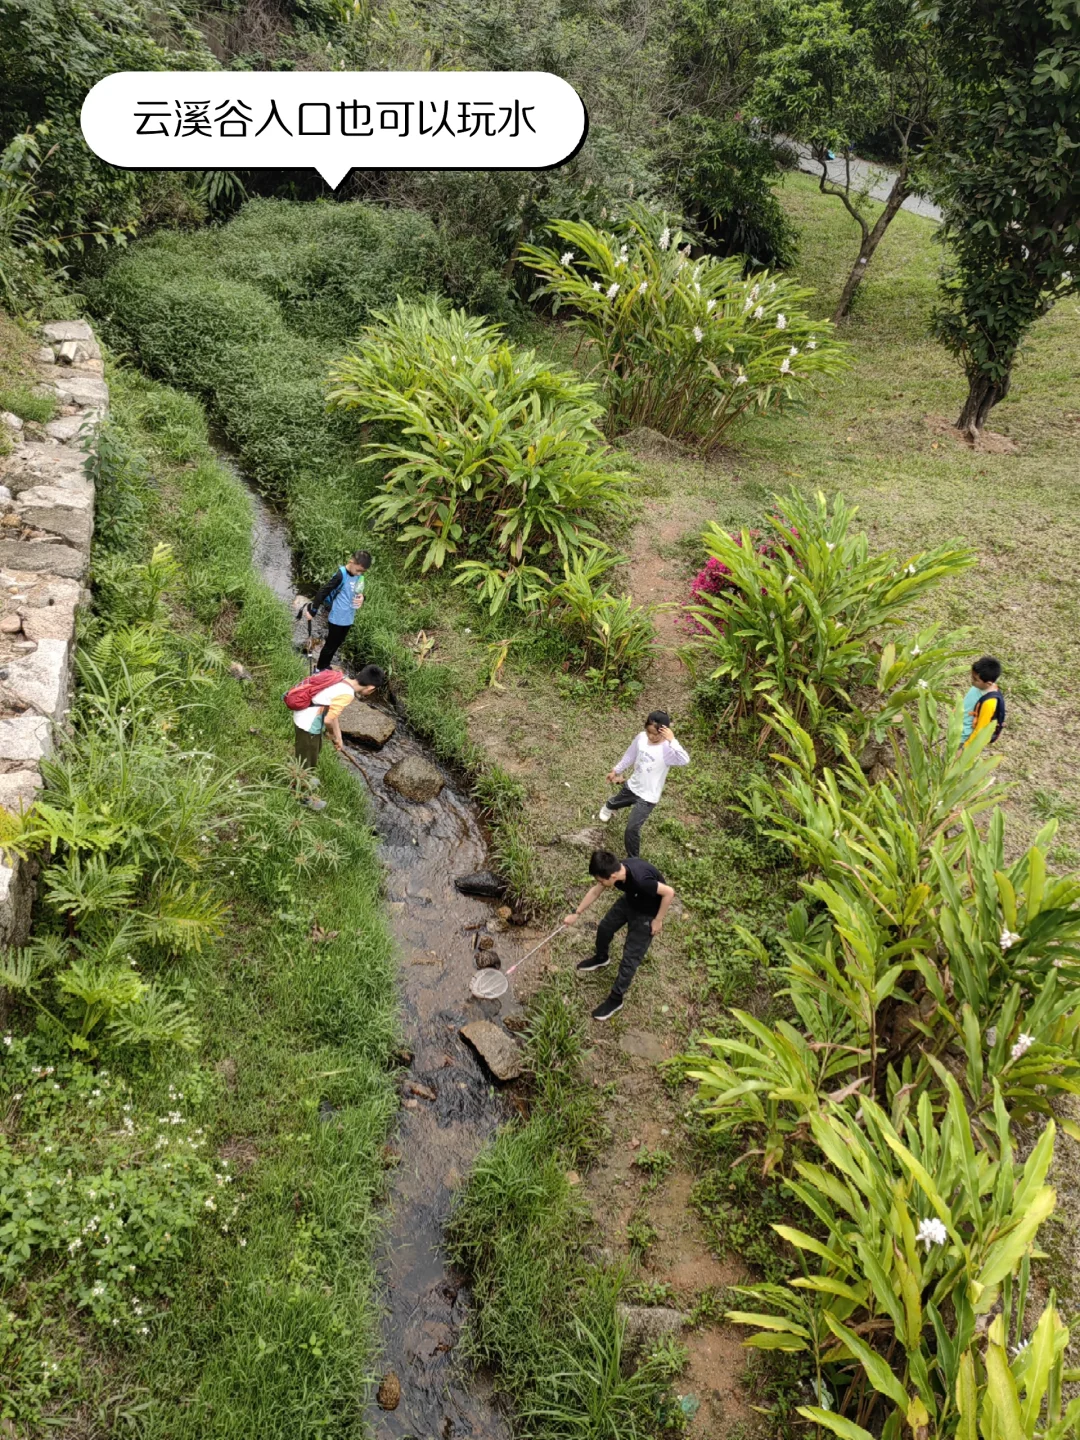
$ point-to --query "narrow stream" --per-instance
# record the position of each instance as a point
(424, 846)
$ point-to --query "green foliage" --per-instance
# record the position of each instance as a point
(28, 404)
(1006, 177)
(493, 450)
(545, 1321)
(819, 84)
(682, 346)
(52, 52)
(99, 1199)
(724, 175)
(893, 1329)
(804, 626)
(263, 1320)
(613, 636)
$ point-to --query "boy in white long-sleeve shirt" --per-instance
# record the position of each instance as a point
(652, 753)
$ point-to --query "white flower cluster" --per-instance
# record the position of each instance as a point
(932, 1232)
(1008, 939)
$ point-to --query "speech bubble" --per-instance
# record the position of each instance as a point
(334, 121)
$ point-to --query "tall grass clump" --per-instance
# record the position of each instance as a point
(683, 346)
(194, 1229)
(546, 1320)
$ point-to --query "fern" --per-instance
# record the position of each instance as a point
(156, 1021)
(81, 888)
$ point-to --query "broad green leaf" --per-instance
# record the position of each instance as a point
(1004, 1255)
(967, 1399)
(1001, 1395)
(846, 1429)
(877, 1370)
(766, 1322)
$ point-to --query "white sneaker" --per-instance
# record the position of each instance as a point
(605, 814)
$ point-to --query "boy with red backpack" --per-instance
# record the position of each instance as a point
(317, 702)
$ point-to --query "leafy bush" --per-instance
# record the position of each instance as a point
(807, 619)
(495, 452)
(893, 1328)
(98, 1198)
(932, 986)
(715, 577)
(683, 346)
(724, 173)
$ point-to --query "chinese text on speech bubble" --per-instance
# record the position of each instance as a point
(333, 122)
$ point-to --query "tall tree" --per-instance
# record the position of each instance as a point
(841, 72)
(1008, 180)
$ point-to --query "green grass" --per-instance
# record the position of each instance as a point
(28, 403)
(546, 1317)
(271, 1329)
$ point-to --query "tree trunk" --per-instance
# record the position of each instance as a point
(983, 394)
(897, 195)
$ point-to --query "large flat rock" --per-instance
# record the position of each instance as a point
(25, 737)
(366, 724)
(498, 1050)
(67, 330)
(73, 388)
(39, 680)
(413, 777)
(43, 556)
(73, 526)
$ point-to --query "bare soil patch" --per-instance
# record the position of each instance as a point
(988, 442)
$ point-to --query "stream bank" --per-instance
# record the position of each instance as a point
(450, 1105)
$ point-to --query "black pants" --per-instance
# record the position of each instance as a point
(335, 634)
(641, 811)
(638, 940)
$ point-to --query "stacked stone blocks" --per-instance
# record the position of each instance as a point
(46, 524)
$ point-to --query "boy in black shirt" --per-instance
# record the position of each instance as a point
(641, 908)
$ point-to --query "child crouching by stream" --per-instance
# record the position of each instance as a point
(322, 715)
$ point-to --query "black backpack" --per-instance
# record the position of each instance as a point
(999, 713)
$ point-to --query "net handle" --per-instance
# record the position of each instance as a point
(546, 941)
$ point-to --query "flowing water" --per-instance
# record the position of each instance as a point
(424, 846)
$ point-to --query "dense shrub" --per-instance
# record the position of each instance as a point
(933, 988)
(724, 175)
(809, 616)
(492, 451)
(683, 346)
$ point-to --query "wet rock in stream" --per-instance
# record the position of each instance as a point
(366, 724)
(389, 1396)
(498, 1050)
(484, 883)
(414, 778)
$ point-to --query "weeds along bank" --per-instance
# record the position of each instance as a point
(187, 1244)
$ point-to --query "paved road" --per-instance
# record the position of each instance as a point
(880, 179)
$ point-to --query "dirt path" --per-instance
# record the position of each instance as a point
(562, 751)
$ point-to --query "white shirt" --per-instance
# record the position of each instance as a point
(651, 764)
(305, 719)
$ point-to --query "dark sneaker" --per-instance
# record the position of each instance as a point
(594, 962)
(609, 1007)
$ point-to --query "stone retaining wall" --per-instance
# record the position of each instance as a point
(46, 521)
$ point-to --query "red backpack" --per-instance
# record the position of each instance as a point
(303, 695)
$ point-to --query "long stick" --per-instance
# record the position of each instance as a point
(533, 951)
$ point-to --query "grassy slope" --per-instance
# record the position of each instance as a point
(272, 1337)
(868, 437)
